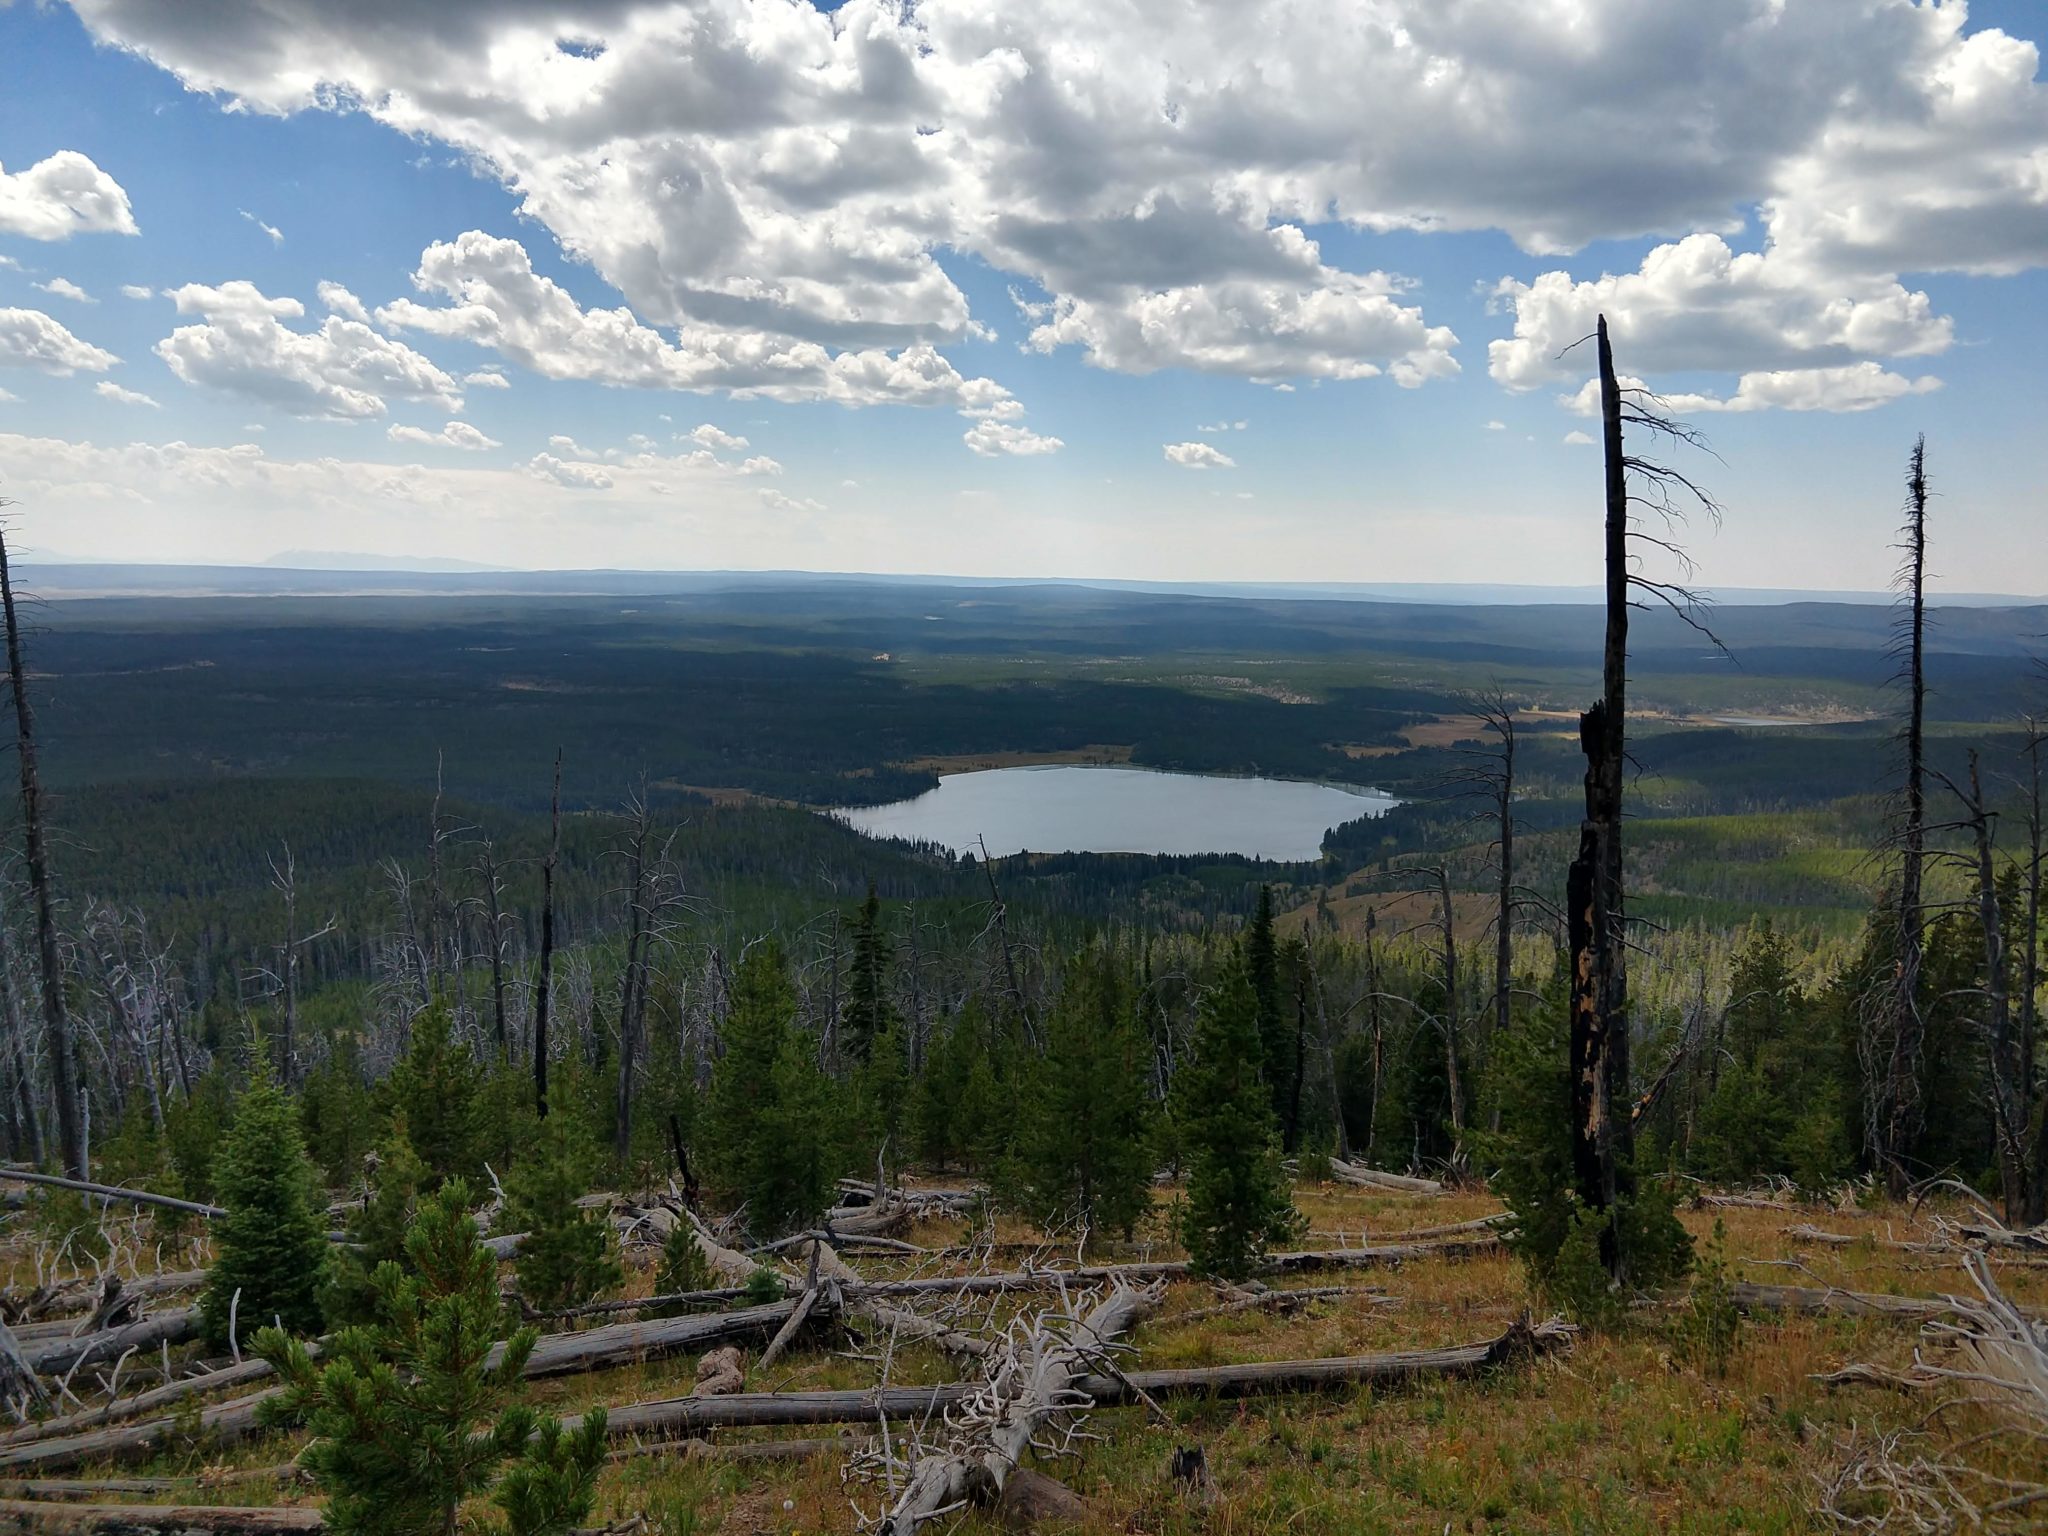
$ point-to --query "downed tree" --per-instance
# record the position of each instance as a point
(113, 1192)
(26, 1515)
(1822, 1299)
(1032, 1383)
(683, 1416)
(1378, 1178)
(142, 1402)
(53, 1357)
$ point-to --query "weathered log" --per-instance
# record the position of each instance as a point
(89, 1489)
(1806, 1232)
(87, 1291)
(24, 1515)
(1033, 1385)
(1817, 1299)
(681, 1416)
(1379, 1178)
(859, 1300)
(125, 1408)
(113, 1192)
(56, 1356)
(1285, 1301)
(558, 1354)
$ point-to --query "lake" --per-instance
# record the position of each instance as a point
(1067, 808)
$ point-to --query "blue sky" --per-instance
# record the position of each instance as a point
(1071, 240)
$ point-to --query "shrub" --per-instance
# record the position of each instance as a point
(1706, 1330)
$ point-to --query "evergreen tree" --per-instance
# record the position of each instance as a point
(1237, 1201)
(334, 1111)
(567, 1257)
(682, 1269)
(376, 1230)
(1262, 964)
(1082, 1151)
(408, 1416)
(769, 1136)
(867, 1015)
(436, 1086)
(271, 1246)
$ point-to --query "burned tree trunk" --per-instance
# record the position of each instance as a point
(633, 983)
(56, 1018)
(1447, 914)
(547, 946)
(1593, 886)
(2008, 1091)
(494, 912)
(2030, 979)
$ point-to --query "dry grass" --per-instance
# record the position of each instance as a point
(1615, 1436)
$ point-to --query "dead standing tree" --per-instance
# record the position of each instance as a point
(1893, 1034)
(547, 946)
(1602, 1134)
(56, 1018)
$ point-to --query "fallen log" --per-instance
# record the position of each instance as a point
(113, 1192)
(1806, 1232)
(858, 1299)
(89, 1489)
(1033, 1384)
(26, 1515)
(1379, 1178)
(557, 1354)
(141, 1403)
(53, 1357)
(1815, 1300)
(682, 1416)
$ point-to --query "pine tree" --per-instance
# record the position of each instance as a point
(1083, 1149)
(769, 1133)
(376, 1230)
(410, 1418)
(867, 1015)
(683, 1268)
(567, 1257)
(1262, 963)
(271, 1247)
(436, 1086)
(1237, 1200)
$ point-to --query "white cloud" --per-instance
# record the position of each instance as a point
(31, 339)
(1198, 456)
(1578, 439)
(457, 434)
(106, 389)
(578, 476)
(486, 378)
(64, 288)
(1496, 426)
(499, 301)
(992, 439)
(1857, 387)
(778, 502)
(137, 291)
(276, 234)
(339, 301)
(1697, 304)
(708, 436)
(761, 464)
(344, 370)
(62, 196)
(9, 397)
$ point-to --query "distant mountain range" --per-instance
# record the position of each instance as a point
(320, 573)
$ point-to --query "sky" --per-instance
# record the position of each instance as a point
(1260, 290)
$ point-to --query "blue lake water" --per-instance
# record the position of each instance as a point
(1072, 809)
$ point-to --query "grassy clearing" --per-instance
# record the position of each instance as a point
(1615, 1436)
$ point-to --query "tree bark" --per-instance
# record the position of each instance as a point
(1593, 884)
(56, 1018)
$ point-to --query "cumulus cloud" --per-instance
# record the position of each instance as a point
(497, 300)
(31, 339)
(137, 291)
(457, 434)
(62, 196)
(992, 439)
(1578, 439)
(778, 502)
(64, 288)
(339, 301)
(767, 177)
(486, 378)
(344, 370)
(1198, 456)
(106, 389)
(706, 435)
(576, 475)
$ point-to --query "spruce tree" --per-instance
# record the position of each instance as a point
(376, 1230)
(867, 1015)
(1237, 1200)
(1083, 1150)
(769, 1134)
(271, 1246)
(1262, 964)
(437, 1087)
(410, 1417)
(567, 1257)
